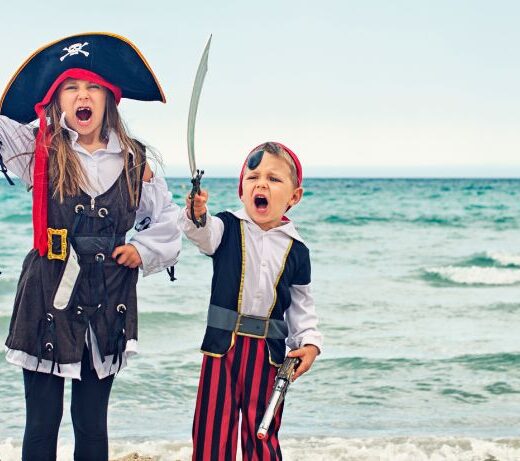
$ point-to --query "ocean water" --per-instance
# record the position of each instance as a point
(416, 283)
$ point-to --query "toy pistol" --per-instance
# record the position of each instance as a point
(281, 384)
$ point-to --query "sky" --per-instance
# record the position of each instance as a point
(356, 88)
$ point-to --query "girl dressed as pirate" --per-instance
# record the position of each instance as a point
(75, 310)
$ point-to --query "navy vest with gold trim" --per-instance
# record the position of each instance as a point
(228, 279)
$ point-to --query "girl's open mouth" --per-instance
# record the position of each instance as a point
(83, 114)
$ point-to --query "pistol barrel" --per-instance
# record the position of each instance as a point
(281, 384)
(269, 413)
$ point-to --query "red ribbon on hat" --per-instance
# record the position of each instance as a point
(297, 164)
(41, 153)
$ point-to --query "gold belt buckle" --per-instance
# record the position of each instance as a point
(62, 233)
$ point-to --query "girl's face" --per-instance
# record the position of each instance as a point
(83, 103)
(268, 190)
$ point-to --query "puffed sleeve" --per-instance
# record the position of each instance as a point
(159, 244)
(301, 315)
(17, 147)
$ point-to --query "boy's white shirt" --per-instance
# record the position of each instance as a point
(158, 246)
(265, 252)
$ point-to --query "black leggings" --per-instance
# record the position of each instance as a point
(44, 408)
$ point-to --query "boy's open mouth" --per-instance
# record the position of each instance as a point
(84, 113)
(261, 202)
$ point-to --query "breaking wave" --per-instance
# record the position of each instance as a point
(473, 275)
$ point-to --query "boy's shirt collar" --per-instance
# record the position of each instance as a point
(287, 228)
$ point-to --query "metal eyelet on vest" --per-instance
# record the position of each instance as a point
(123, 331)
(49, 347)
(79, 310)
(121, 308)
(102, 212)
(99, 257)
(50, 317)
(79, 208)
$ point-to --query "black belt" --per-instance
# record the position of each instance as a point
(246, 325)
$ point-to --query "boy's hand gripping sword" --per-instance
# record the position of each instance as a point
(281, 384)
(196, 175)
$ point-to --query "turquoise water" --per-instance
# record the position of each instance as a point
(416, 283)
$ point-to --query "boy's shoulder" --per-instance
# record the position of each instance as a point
(226, 214)
(228, 218)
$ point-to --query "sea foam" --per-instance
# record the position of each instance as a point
(476, 275)
(504, 259)
(321, 449)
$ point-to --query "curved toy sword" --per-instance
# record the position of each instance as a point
(196, 175)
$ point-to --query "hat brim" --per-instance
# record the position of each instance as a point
(112, 56)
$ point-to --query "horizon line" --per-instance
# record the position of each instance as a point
(370, 177)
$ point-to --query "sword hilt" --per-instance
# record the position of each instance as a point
(195, 189)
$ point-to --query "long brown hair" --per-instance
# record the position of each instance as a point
(66, 173)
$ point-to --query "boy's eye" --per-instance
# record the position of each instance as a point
(94, 86)
(274, 179)
(252, 176)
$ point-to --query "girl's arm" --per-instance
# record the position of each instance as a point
(159, 244)
(17, 147)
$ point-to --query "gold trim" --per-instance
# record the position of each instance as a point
(212, 354)
(243, 274)
(277, 365)
(284, 260)
(233, 336)
(250, 335)
(44, 47)
(63, 244)
(242, 277)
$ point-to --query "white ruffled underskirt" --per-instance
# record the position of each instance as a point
(73, 370)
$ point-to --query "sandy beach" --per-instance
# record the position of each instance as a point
(135, 457)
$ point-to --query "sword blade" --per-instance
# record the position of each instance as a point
(194, 104)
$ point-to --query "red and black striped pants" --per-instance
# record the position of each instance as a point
(239, 383)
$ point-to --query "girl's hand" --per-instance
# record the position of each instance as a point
(307, 355)
(199, 201)
(127, 255)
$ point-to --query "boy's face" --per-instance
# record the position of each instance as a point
(267, 191)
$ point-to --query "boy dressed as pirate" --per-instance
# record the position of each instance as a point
(75, 310)
(260, 303)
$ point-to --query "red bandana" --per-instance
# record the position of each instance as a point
(41, 154)
(297, 164)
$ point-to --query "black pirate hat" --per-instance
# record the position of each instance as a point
(111, 56)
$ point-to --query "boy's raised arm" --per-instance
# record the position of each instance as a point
(208, 237)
